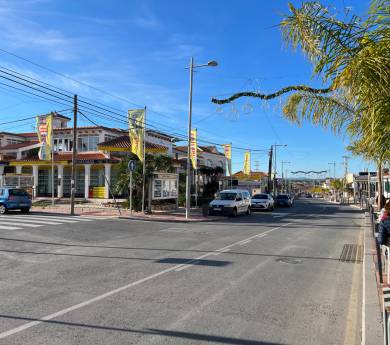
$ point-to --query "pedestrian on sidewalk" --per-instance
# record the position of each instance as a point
(384, 224)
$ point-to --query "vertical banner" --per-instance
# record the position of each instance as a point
(44, 125)
(194, 149)
(247, 163)
(228, 155)
(136, 132)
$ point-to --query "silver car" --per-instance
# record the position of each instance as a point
(262, 202)
(231, 202)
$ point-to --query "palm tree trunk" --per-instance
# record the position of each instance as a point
(380, 186)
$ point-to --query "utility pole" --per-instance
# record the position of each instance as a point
(74, 157)
(257, 166)
(275, 146)
(52, 159)
(274, 188)
(283, 177)
(345, 163)
(269, 169)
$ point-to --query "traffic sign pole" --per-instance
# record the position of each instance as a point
(131, 166)
(131, 192)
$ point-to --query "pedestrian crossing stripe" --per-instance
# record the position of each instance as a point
(2, 227)
(19, 221)
(48, 219)
(25, 224)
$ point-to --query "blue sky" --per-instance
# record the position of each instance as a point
(138, 50)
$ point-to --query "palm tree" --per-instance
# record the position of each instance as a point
(352, 58)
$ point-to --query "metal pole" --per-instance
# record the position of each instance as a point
(188, 180)
(231, 167)
(274, 189)
(52, 161)
(131, 193)
(196, 188)
(143, 167)
(74, 157)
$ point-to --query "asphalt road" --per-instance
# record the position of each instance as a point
(264, 279)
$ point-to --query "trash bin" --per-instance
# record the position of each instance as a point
(205, 210)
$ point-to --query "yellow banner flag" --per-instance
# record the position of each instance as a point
(136, 132)
(228, 150)
(247, 163)
(228, 154)
(44, 125)
(194, 149)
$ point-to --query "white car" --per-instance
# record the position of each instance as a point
(262, 202)
(231, 202)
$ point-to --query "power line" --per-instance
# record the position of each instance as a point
(20, 120)
(87, 106)
(77, 81)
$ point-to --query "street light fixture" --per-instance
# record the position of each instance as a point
(211, 63)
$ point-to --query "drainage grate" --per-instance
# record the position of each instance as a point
(352, 253)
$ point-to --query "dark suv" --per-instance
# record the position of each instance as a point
(283, 200)
(14, 199)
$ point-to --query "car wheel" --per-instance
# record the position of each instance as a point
(25, 210)
(234, 212)
(248, 211)
(3, 209)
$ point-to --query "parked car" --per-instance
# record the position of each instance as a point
(262, 202)
(14, 199)
(283, 200)
(231, 202)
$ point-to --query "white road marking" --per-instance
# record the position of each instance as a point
(245, 242)
(221, 251)
(28, 225)
(57, 219)
(18, 221)
(2, 227)
(122, 288)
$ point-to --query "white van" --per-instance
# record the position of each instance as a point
(231, 202)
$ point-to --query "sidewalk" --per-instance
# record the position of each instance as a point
(372, 328)
(159, 216)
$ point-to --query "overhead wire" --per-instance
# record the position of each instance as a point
(64, 96)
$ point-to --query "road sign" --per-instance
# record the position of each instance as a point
(131, 166)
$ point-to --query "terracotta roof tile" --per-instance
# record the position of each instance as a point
(18, 146)
(123, 142)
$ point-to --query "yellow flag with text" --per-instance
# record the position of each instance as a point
(44, 125)
(136, 132)
(247, 163)
(228, 155)
(194, 149)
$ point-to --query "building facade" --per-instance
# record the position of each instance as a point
(99, 150)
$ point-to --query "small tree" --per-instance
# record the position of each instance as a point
(160, 163)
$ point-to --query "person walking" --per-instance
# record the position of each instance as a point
(384, 224)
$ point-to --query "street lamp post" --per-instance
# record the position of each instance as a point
(188, 180)
(274, 186)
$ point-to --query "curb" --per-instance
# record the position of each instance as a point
(162, 220)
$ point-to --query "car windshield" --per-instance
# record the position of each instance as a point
(282, 197)
(260, 196)
(226, 196)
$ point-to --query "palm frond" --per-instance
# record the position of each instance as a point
(326, 111)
